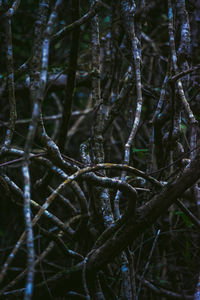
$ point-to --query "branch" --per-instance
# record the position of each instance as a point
(146, 215)
(92, 12)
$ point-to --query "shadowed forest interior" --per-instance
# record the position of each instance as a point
(99, 149)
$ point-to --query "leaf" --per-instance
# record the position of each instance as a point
(140, 150)
(107, 19)
(185, 219)
(161, 281)
(183, 127)
(187, 252)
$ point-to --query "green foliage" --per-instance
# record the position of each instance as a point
(185, 219)
(187, 252)
(140, 150)
(162, 282)
(183, 127)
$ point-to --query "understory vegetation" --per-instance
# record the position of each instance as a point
(99, 151)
